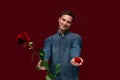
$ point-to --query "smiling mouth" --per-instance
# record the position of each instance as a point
(64, 27)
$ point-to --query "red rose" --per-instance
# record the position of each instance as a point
(77, 60)
(23, 38)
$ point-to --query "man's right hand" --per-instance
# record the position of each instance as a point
(39, 66)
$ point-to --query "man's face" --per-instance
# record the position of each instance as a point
(65, 22)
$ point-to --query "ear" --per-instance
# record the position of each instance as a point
(59, 19)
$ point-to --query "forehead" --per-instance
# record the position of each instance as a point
(67, 17)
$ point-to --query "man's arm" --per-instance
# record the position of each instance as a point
(47, 49)
(76, 46)
(47, 52)
(76, 50)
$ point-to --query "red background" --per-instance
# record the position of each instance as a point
(95, 22)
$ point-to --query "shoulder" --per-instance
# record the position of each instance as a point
(51, 37)
(75, 35)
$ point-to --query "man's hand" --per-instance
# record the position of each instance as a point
(77, 61)
(39, 66)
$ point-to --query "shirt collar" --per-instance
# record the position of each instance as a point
(66, 32)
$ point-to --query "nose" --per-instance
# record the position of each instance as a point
(65, 23)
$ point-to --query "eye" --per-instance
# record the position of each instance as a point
(63, 19)
(69, 22)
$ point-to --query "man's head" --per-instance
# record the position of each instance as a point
(65, 20)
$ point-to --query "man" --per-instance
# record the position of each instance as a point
(62, 47)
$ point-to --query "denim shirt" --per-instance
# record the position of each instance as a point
(60, 50)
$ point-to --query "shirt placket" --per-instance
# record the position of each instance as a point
(62, 55)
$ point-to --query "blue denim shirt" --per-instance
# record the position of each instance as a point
(60, 50)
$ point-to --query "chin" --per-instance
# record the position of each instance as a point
(63, 29)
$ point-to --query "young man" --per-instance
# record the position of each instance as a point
(62, 47)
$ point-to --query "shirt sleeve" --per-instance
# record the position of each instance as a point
(47, 49)
(76, 47)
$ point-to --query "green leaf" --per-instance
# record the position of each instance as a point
(57, 66)
(48, 77)
(57, 69)
(54, 76)
(41, 54)
(46, 65)
(51, 76)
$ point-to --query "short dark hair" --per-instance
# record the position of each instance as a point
(68, 13)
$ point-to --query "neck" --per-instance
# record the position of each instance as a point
(62, 32)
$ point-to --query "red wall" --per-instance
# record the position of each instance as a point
(39, 18)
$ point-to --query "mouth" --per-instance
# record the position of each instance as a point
(64, 27)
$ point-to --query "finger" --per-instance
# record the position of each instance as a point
(81, 60)
(73, 62)
(40, 61)
(80, 63)
(42, 68)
